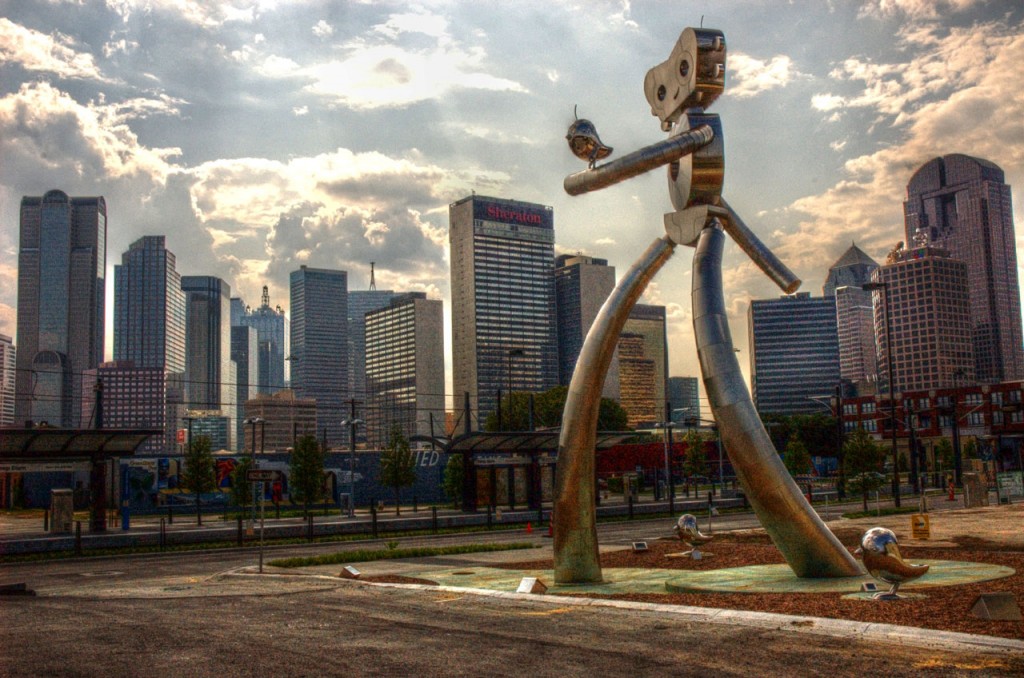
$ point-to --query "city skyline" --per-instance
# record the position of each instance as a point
(268, 161)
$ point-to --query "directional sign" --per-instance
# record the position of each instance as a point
(261, 475)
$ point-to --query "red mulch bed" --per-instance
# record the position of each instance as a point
(948, 609)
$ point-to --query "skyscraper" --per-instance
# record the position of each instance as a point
(8, 361)
(244, 349)
(361, 302)
(149, 307)
(149, 318)
(582, 284)
(503, 299)
(209, 371)
(636, 382)
(963, 205)
(794, 352)
(854, 316)
(930, 319)
(649, 322)
(405, 367)
(684, 394)
(271, 327)
(319, 346)
(61, 299)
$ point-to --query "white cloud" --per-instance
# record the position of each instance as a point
(921, 9)
(622, 17)
(322, 29)
(55, 53)
(422, 22)
(827, 102)
(300, 111)
(983, 116)
(749, 76)
(206, 13)
(39, 120)
(838, 145)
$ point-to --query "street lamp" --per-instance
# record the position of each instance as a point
(668, 426)
(352, 422)
(252, 421)
(884, 287)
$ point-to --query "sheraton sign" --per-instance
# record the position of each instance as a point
(513, 213)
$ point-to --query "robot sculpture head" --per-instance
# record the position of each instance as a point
(693, 76)
(883, 560)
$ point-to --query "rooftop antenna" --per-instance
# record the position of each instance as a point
(373, 283)
(266, 297)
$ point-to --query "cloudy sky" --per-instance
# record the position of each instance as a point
(259, 135)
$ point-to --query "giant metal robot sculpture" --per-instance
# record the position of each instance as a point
(679, 90)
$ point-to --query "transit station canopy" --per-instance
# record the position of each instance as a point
(56, 444)
(526, 441)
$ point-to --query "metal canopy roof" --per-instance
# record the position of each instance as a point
(526, 441)
(53, 444)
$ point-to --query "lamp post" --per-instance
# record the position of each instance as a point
(668, 426)
(884, 287)
(352, 422)
(252, 421)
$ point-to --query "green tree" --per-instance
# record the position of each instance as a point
(695, 460)
(241, 489)
(306, 480)
(944, 454)
(971, 449)
(453, 478)
(547, 412)
(796, 457)
(864, 459)
(397, 464)
(198, 475)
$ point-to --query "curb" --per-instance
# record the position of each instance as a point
(821, 626)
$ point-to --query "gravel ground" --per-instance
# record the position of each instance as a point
(946, 609)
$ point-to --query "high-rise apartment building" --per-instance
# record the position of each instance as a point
(62, 259)
(133, 397)
(319, 346)
(794, 352)
(271, 327)
(8, 362)
(854, 317)
(405, 367)
(582, 284)
(928, 301)
(684, 395)
(361, 302)
(503, 299)
(637, 382)
(963, 205)
(649, 322)
(209, 371)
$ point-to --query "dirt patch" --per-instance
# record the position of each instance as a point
(942, 608)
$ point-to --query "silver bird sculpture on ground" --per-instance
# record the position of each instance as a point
(882, 558)
(689, 533)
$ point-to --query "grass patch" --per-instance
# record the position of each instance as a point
(365, 555)
(888, 511)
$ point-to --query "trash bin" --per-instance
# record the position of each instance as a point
(62, 511)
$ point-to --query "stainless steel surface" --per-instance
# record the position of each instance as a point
(693, 75)
(759, 252)
(584, 142)
(696, 178)
(689, 532)
(638, 162)
(574, 522)
(804, 540)
(882, 558)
